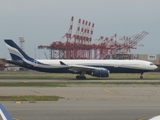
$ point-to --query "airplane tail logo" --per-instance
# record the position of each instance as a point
(16, 52)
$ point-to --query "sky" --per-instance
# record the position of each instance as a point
(42, 22)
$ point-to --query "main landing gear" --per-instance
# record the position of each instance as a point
(141, 77)
(81, 77)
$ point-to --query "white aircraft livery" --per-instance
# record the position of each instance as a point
(98, 68)
(155, 118)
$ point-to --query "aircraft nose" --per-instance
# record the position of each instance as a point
(156, 67)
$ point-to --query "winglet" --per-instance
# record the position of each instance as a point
(4, 113)
(62, 63)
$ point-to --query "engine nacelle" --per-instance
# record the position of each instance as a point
(100, 73)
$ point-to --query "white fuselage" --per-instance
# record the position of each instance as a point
(138, 64)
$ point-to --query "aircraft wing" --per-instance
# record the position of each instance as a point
(78, 68)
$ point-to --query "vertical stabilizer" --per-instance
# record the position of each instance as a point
(16, 52)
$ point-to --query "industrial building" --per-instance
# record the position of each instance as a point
(154, 58)
(2, 63)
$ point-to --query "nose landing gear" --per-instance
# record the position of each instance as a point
(141, 77)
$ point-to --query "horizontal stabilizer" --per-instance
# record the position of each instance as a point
(4, 113)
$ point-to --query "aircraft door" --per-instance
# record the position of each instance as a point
(35, 63)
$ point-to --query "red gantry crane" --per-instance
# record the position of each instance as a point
(80, 45)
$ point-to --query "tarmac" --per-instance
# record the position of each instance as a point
(86, 102)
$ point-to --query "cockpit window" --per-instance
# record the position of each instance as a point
(151, 64)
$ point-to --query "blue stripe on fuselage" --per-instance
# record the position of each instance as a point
(113, 69)
(65, 69)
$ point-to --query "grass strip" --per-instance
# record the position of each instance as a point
(35, 75)
(62, 84)
(32, 84)
(29, 98)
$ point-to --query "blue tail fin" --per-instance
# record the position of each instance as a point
(16, 52)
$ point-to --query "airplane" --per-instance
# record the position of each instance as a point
(97, 68)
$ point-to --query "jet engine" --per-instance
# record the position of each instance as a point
(100, 73)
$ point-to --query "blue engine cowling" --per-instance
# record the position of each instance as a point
(100, 73)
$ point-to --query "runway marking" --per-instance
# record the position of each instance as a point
(146, 118)
(102, 81)
(15, 118)
(140, 80)
(25, 81)
(32, 101)
(108, 91)
(18, 102)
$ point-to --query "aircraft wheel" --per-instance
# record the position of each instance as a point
(83, 77)
(80, 77)
(77, 77)
(141, 77)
